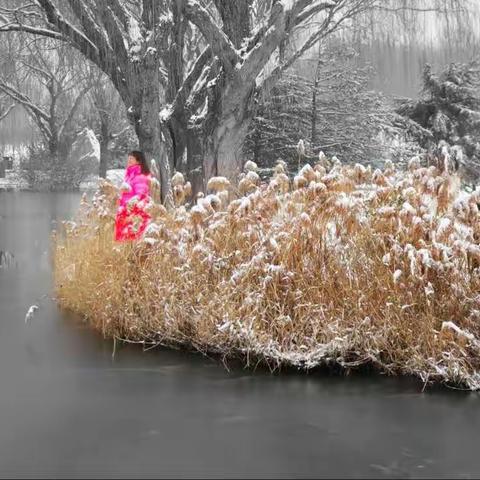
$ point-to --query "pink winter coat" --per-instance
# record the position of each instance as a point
(132, 219)
(139, 184)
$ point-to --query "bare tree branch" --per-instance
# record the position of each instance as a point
(327, 27)
(308, 13)
(23, 99)
(17, 27)
(58, 22)
(73, 111)
(190, 81)
(216, 38)
(120, 12)
(5, 113)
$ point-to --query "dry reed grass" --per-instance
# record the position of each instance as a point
(341, 266)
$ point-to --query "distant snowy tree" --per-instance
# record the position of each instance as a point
(331, 107)
(449, 111)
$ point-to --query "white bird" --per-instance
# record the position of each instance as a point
(30, 313)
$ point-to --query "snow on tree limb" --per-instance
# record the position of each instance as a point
(256, 58)
(43, 32)
(39, 115)
(191, 79)
(216, 38)
(199, 92)
(115, 34)
(312, 10)
(86, 17)
(59, 23)
(120, 12)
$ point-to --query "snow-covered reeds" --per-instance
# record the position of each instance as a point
(340, 265)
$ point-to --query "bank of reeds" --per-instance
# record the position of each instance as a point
(340, 266)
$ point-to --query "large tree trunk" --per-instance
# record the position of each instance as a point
(226, 127)
(53, 149)
(218, 142)
(195, 155)
(173, 47)
(176, 131)
(223, 151)
(218, 151)
(145, 116)
(104, 139)
(155, 147)
(143, 96)
(313, 115)
(236, 19)
(104, 157)
(152, 138)
(216, 154)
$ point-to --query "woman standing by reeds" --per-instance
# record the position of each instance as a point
(132, 218)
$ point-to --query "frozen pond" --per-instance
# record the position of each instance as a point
(67, 409)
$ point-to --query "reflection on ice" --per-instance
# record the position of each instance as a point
(7, 260)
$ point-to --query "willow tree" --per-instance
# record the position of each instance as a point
(400, 36)
(48, 84)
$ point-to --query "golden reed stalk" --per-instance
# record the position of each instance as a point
(341, 266)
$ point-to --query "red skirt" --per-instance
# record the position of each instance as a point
(131, 222)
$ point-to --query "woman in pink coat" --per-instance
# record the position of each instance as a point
(132, 219)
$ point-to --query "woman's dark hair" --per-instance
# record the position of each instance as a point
(140, 158)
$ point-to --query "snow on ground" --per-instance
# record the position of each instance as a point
(115, 176)
(12, 181)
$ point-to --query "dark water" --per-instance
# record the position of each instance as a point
(67, 409)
